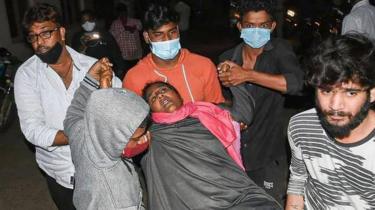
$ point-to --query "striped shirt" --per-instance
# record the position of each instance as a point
(329, 174)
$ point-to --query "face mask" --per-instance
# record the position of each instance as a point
(88, 26)
(256, 37)
(53, 55)
(166, 50)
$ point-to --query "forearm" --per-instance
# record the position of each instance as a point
(273, 81)
(294, 202)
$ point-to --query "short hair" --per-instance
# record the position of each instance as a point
(87, 12)
(39, 13)
(157, 15)
(256, 6)
(121, 9)
(344, 58)
(145, 94)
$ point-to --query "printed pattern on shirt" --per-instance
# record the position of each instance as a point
(329, 174)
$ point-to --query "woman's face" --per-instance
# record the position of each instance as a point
(163, 99)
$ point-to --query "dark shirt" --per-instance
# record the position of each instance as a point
(265, 140)
(106, 46)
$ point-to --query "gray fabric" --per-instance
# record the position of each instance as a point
(188, 168)
(98, 125)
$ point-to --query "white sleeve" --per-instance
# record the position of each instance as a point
(30, 112)
(351, 24)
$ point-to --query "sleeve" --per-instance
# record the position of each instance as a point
(242, 109)
(351, 24)
(290, 69)
(30, 111)
(212, 87)
(73, 123)
(298, 171)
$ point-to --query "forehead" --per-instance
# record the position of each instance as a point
(40, 26)
(165, 28)
(86, 17)
(344, 85)
(256, 17)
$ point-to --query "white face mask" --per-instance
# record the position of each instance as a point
(88, 26)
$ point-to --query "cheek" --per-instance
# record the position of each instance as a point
(155, 107)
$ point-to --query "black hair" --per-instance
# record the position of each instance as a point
(256, 6)
(88, 12)
(146, 95)
(372, 2)
(157, 15)
(344, 58)
(39, 13)
(121, 10)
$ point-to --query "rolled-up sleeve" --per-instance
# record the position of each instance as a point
(290, 68)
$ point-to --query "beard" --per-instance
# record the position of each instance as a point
(341, 131)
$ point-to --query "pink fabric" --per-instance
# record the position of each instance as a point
(216, 120)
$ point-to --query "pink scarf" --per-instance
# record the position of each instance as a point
(216, 120)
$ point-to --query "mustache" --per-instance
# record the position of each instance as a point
(42, 49)
(337, 113)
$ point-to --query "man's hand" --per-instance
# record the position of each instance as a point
(99, 68)
(231, 74)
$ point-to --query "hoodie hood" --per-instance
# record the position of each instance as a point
(112, 117)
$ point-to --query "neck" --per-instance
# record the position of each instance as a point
(252, 52)
(362, 131)
(166, 63)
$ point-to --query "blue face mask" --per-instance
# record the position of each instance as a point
(256, 37)
(166, 50)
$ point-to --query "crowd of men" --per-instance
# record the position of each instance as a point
(199, 148)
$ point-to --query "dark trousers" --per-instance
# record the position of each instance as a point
(273, 178)
(62, 196)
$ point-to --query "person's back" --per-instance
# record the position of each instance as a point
(100, 124)
(361, 19)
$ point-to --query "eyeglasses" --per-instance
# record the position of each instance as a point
(31, 38)
(266, 24)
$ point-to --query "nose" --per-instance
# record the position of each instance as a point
(336, 101)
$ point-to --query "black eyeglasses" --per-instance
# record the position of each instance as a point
(31, 38)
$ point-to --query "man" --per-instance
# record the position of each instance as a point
(272, 71)
(194, 76)
(333, 145)
(44, 87)
(99, 124)
(361, 18)
(126, 31)
(97, 43)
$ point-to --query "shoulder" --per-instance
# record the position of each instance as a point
(29, 67)
(228, 54)
(281, 44)
(305, 120)
(193, 58)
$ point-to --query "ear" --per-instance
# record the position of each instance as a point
(62, 33)
(146, 37)
(239, 26)
(273, 26)
(372, 95)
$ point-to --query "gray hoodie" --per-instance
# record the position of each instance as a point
(99, 124)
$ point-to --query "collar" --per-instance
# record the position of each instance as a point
(237, 55)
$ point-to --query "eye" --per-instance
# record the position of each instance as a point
(325, 92)
(351, 93)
